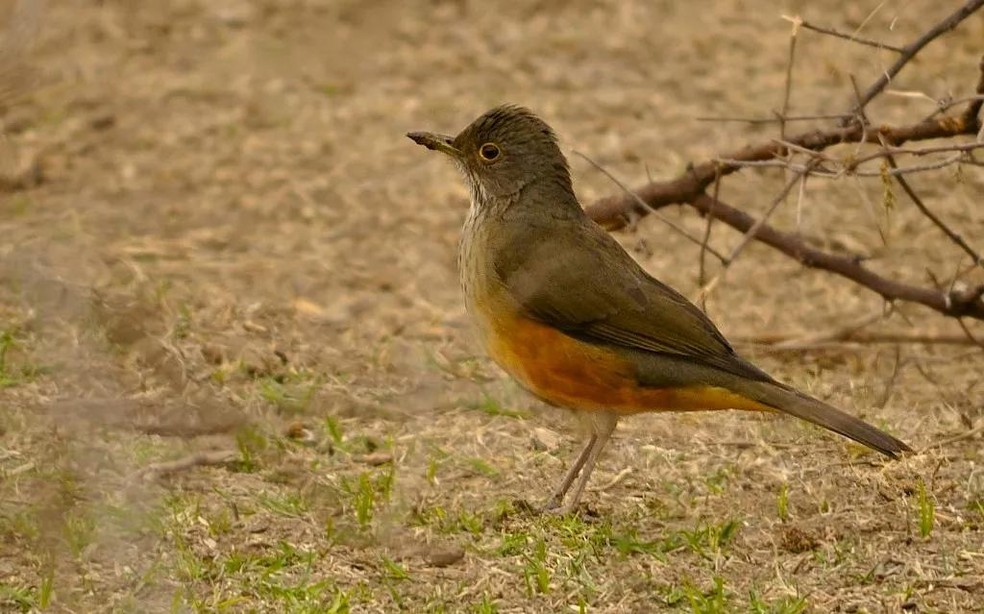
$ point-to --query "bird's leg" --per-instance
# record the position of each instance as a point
(558, 495)
(604, 425)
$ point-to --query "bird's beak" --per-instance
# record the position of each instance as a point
(437, 142)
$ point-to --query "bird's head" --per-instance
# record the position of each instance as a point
(501, 153)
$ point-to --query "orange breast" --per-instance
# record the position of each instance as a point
(566, 372)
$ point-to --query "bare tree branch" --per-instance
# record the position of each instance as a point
(690, 187)
(956, 302)
(910, 50)
(614, 212)
(851, 167)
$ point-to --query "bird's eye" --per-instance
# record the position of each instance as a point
(489, 152)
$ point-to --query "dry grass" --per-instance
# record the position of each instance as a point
(235, 374)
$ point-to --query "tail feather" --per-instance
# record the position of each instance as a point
(794, 403)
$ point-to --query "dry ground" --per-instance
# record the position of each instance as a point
(229, 256)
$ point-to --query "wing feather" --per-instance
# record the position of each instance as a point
(582, 282)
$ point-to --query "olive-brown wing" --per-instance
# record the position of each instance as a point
(577, 278)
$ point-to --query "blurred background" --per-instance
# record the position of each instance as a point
(235, 370)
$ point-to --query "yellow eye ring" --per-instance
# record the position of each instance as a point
(489, 152)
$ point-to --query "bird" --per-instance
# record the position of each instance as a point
(575, 320)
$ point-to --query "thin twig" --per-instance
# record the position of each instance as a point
(854, 38)
(774, 120)
(763, 164)
(702, 272)
(955, 102)
(908, 170)
(942, 106)
(909, 51)
(819, 155)
(850, 169)
(707, 288)
(788, 88)
(860, 105)
(682, 231)
(917, 151)
(956, 238)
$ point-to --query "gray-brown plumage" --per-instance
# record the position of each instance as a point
(569, 314)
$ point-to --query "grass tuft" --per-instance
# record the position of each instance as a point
(782, 502)
(927, 510)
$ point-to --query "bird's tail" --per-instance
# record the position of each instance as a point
(794, 403)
